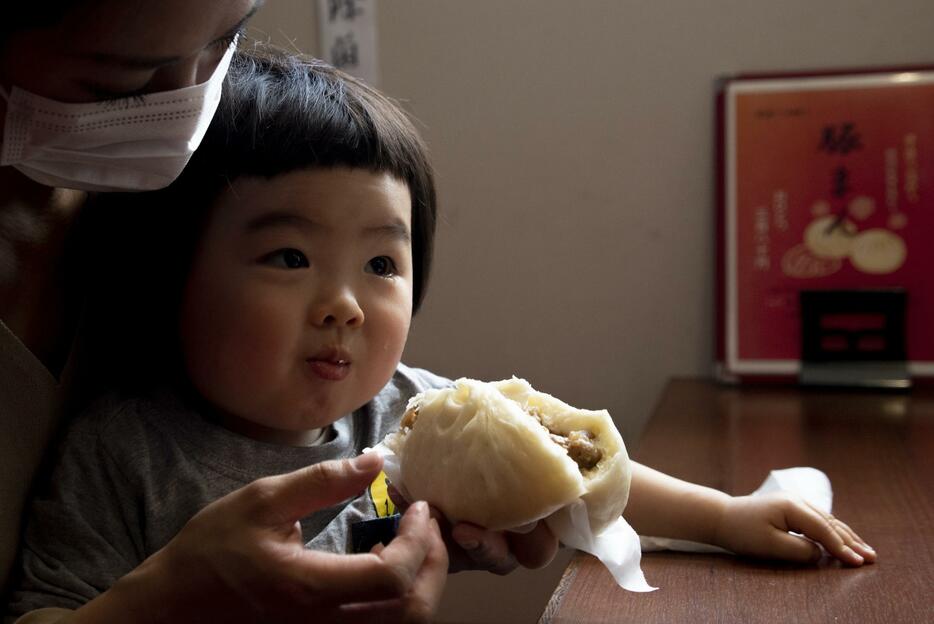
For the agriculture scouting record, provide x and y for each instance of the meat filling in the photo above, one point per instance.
(582, 450)
(409, 418)
(579, 445)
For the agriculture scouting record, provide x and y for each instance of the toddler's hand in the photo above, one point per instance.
(471, 547)
(759, 526)
(474, 548)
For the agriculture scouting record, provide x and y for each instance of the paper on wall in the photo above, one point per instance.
(347, 37)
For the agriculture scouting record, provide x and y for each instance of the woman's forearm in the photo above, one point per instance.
(663, 506)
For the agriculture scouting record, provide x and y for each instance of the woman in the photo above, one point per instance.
(78, 78)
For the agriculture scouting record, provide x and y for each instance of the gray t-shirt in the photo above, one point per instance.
(133, 472)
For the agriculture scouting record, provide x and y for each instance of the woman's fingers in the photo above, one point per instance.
(416, 544)
(352, 578)
(420, 603)
(283, 499)
(429, 585)
(387, 574)
(377, 612)
(245, 559)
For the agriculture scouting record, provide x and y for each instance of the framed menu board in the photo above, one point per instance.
(824, 183)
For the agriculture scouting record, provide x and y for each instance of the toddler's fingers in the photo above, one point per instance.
(488, 550)
(855, 542)
(824, 529)
(396, 497)
(790, 547)
(524, 528)
(852, 539)
(438, 516)
(534, 549)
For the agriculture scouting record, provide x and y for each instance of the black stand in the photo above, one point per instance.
(854, 338)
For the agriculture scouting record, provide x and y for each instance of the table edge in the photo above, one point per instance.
(557, 596)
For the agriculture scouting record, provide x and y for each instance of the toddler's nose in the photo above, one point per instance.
(338, 309)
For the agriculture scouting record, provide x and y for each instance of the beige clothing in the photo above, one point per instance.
(29, 400)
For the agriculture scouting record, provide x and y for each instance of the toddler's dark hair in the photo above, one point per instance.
(280, 113)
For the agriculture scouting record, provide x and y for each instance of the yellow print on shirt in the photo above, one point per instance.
(379, 494)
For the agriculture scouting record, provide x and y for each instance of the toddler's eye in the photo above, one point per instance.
(382, 266)
(286, 259)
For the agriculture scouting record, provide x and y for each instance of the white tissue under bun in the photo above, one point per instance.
(475, 452)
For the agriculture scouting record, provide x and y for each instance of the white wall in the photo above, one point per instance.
(574, 150)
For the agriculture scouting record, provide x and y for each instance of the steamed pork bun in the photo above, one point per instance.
(501, 455)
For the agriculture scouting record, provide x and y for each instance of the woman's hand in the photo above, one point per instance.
(242, 559)
(471, 547)
(759, 526)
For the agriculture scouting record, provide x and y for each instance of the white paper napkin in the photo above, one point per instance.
(809, 483)
(617, 546)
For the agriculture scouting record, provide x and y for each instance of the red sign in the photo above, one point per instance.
(826, 185)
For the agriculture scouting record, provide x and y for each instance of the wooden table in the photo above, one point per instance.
(877, 449)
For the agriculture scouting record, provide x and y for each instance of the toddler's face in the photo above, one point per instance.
(299, 300)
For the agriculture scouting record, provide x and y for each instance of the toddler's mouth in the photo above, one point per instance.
(330, 364)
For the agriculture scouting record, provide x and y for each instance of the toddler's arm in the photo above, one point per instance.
(663, 506)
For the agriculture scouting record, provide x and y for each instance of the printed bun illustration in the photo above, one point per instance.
(861, 207)
(826, 238)
(878, 251)
(501, 455)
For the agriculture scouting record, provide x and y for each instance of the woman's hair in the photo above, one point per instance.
(278, 113)
(30, 15)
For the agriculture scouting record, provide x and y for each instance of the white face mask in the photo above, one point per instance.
(131, 144)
